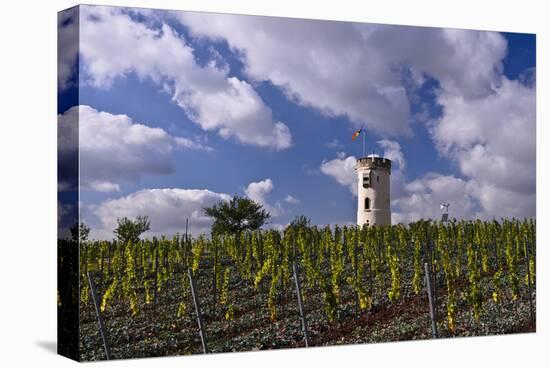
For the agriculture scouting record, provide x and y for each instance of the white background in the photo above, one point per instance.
(28, 182)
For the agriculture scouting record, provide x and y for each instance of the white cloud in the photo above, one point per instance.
(113, 45)
(277, 226)
(67, 47)
(335, 144)
(488, 123)
(342, 169)
(114, 147)
(291, 199)
(355, 69)
(258, 191)
(492, 139)
(62, 210)
(497, 202)
(318, 64)
(63, 186)
(66, 216)
(410, 201)
(167, 210)
(100, 186)
(392, 150)
(422, 199)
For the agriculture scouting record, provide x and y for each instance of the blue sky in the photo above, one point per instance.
(179, 110)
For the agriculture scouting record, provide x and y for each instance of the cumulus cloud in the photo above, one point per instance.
(479, 195)
(100, 186)
(317, 64)
(335, 144)
(67, 215)
(167, 210)
(487, 126)
(497, 202)
(392, 150)
(277, 226)
(492, 139)
(67, 47)
(356, 70)
(422, 198)
(258, 191)
(411, 201)
(114, 147)
(113, 45)
(342, 169)
(291, 200)
(62, 210)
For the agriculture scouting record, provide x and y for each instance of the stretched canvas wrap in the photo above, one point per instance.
(236, 183)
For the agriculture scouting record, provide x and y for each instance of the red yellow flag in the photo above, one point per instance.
(356, 134)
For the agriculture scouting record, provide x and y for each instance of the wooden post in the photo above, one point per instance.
(496, 252)
(109, 256)
(196, 302)
(215, 269)
(155, 281)
(300, 306)
(431, 302)
(433, 274)
(100, 322)
(186, 240)
(102, 259)
(102, 271)
(528, 259)
(85, 258)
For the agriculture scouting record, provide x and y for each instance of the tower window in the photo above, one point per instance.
(367, 203)
(377, 178)
(365, 181)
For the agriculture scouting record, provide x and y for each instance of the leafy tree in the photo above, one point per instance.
(130, 230)
(236, 215)
(80, 232)
(300, 221)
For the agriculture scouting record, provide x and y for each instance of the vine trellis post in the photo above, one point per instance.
(196, 302)
(300, 305)
(100, 322)
(430, 300)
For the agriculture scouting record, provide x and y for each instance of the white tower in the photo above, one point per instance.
(373, 190)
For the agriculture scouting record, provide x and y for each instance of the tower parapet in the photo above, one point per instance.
(374, 162)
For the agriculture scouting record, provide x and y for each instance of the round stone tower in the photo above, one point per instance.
(373, 190)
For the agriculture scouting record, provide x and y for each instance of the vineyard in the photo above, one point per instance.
(306, 286)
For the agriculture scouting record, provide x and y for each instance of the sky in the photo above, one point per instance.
(175, 111)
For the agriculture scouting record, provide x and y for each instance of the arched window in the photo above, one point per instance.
(367, 203)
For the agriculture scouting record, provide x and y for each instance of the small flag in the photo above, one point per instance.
(356, 134)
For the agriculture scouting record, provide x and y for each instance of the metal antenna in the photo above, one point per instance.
(445, 215)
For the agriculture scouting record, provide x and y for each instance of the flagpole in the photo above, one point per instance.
(364, 142)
